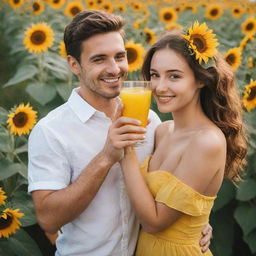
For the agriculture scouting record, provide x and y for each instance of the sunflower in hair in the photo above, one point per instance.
(249, 26)
(202, 42)
(135, 54)
(167, 15)
(9, 222)
(38, 38)
(234, 57)
(73, 8)
(22, 119)
(249, 98)
(2, 196)
(16, 3)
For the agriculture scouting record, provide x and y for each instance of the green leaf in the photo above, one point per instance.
(245, 216)
(41, 93)
(23, 201)
(63, 90)
(246, 190)
(22, 149)
(5, 145)
(250, 239)
(24, 72)
(3, 115)
(20, 244)
(8, 168)
(223, 232)
(225, 195)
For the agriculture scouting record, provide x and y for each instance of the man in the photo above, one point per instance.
(74, 174)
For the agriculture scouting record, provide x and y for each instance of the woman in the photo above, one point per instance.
(174, 190)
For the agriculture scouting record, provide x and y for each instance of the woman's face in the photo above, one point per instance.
(173, 81)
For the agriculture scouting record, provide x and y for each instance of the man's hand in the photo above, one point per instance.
(123, 132)
(206, 238)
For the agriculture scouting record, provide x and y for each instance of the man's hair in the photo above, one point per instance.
(87, 24)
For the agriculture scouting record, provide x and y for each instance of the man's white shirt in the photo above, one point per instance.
(61, 145)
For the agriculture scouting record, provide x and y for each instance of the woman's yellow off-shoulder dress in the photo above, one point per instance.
(182, 237)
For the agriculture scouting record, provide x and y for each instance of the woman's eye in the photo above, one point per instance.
(174, 76)
(153, 75)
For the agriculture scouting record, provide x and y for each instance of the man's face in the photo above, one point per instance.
(103, 66)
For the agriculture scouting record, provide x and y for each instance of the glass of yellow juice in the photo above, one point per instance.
(136, 98)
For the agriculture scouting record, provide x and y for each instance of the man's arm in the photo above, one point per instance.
(55, 208)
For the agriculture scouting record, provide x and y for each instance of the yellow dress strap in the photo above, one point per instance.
(179, 196)
(144, 166)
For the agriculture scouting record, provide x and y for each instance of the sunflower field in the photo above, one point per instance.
(35, 79)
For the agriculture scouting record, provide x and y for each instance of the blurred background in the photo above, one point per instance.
(34, 79)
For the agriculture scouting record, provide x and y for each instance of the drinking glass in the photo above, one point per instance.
(136, 98)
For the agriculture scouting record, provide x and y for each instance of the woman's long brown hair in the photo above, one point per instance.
(219, 97)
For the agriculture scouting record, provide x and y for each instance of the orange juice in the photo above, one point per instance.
(136, 103)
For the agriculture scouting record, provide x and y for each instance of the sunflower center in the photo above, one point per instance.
(36, 7)
(16, 1)
(91, 3)
(121, 9)
(249, 26)
(106, 7)
(167, 16)
(20, 119)
(4, 223)
(38, 37)
(148, 37)
(214, 12)
(99, 1)
(199, 42)
(56, 1)
(75, 10)
(231, 59)
(252, 94)
(131, 55)
(236, 11)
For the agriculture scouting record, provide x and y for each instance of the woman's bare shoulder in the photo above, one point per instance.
(164, 128)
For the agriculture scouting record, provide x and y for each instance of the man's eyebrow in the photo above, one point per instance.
(97, 56)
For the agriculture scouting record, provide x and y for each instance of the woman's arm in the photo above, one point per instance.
(199, 164)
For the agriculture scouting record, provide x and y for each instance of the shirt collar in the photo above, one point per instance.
(80, 107)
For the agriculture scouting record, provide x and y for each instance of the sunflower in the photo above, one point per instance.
(138, 6)
(249, 98)
(213, 12)
(135, 54)
(9, 222)
(173, 26)
(137, 23)
(91, 4)
(107, 6)
(167, 14)
(38, 38)
(150, 36)
(16, 3)
(73, 8)
(62, 50)
(250, 63)
(202, 41)
(249, 26)
(233, 57)
(56, 4)
(2, 196)
(245, 40)
(22, 119)
(237, 11)
(120, 7)
(37, 7)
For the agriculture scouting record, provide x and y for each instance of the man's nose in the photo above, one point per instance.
(113, 67)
